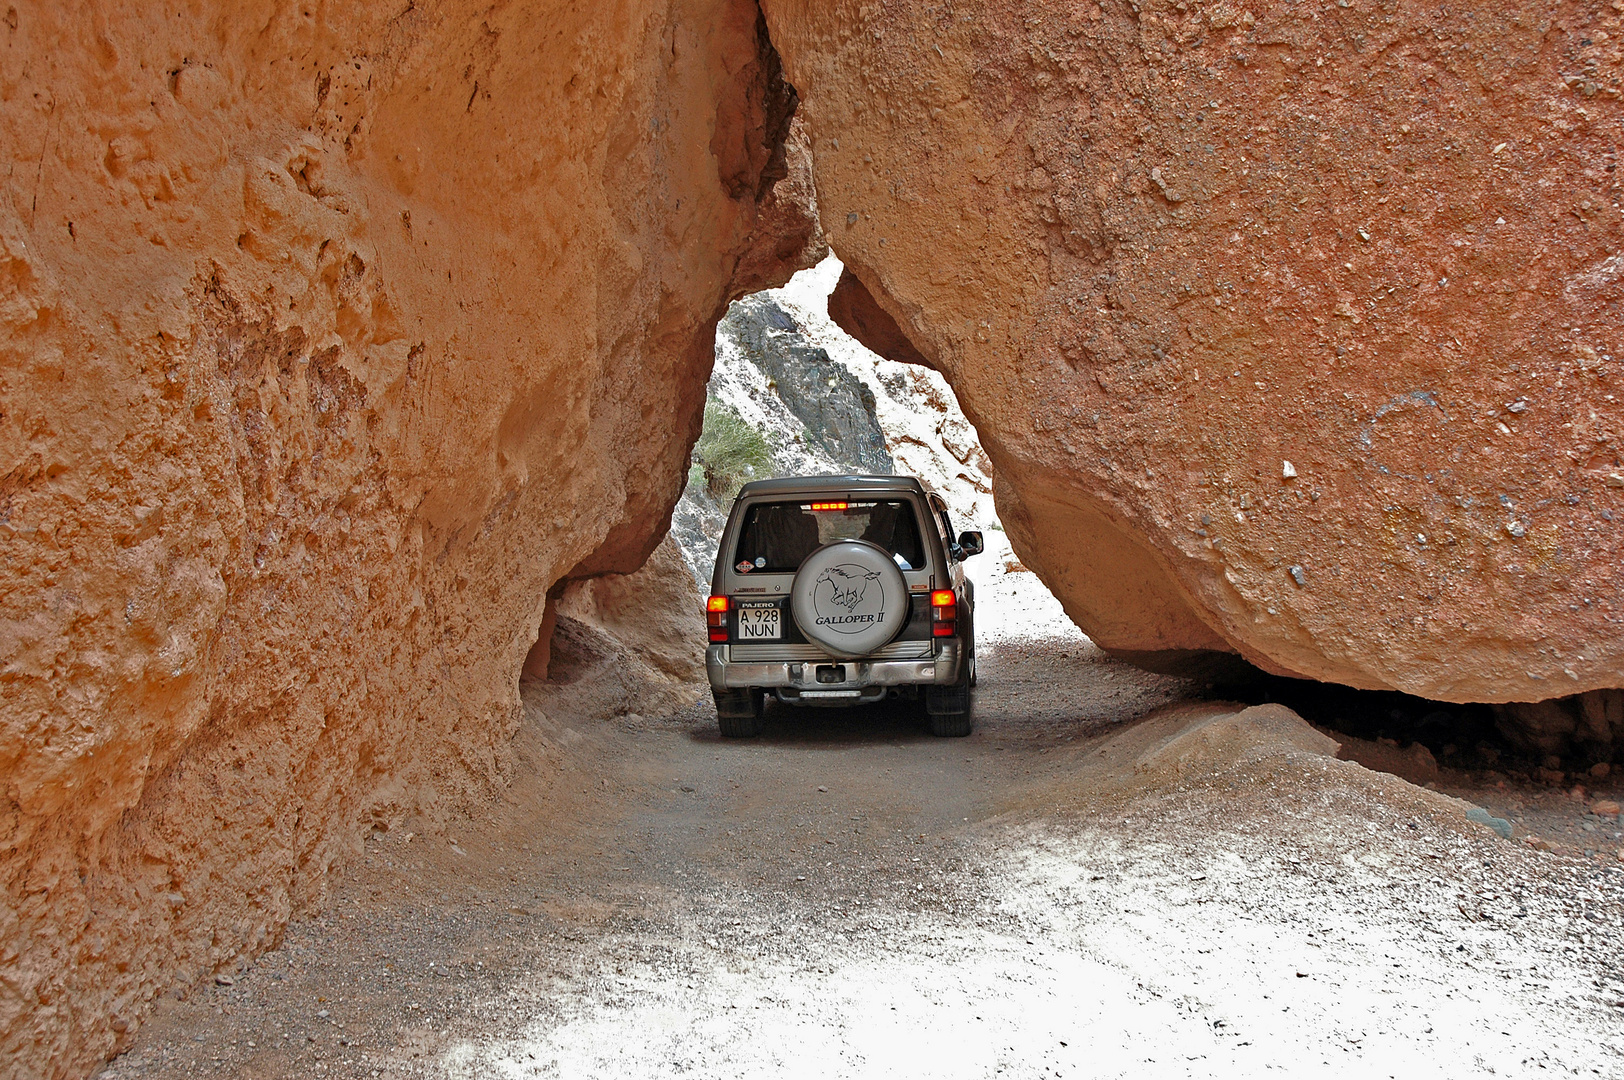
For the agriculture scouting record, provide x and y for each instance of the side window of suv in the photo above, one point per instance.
(944, 526)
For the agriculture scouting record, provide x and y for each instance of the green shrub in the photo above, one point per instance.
(729, 451)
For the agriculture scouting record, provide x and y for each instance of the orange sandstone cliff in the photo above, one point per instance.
(334, 336)
(1293, 330)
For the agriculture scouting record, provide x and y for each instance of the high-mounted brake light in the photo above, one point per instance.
(829, 506)
(716, 618)
(944, 613)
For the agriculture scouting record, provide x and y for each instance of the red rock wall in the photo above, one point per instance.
(332, 337)
(1161, 249)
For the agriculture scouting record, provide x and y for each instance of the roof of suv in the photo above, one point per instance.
(803, 485)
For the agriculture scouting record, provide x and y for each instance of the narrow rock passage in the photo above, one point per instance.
(1063, 893)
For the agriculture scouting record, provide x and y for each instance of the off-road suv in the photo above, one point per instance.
(839, 590)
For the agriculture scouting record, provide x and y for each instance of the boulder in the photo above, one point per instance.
(1292, 332)
(1590, 725)
(656, 613)
(622, 644)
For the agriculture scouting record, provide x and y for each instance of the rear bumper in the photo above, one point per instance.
(801, 677)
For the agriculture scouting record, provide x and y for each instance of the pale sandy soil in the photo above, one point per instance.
(1071, 891)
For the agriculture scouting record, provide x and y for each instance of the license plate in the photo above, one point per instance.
(759, 624)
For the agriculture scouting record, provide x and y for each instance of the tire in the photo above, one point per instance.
(739, 712)
(948, 709)
(849, 598)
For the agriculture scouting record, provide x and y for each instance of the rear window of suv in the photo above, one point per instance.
(778, 536)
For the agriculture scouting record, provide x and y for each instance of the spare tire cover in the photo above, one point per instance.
(849, 598)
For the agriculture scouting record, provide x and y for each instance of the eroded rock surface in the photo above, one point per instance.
(1291, 331)
(624, 644)
(333, 337)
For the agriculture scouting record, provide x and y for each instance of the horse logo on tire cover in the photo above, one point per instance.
(848, 599)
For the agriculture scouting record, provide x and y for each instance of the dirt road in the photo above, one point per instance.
(1065, 893)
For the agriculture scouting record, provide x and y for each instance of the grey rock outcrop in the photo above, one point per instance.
(697, 523)
(837, 408)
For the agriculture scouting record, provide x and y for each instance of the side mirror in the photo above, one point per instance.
(971, 544)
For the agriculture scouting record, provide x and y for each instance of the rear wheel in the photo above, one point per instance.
(948, 708)
(738, 712)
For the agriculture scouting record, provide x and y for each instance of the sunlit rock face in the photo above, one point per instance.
(1293, 331)
(334, 335)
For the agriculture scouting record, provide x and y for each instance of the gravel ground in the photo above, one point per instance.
(1092, 884)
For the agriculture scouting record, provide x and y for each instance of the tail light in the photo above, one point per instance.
(716, 618)
(944, 613)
